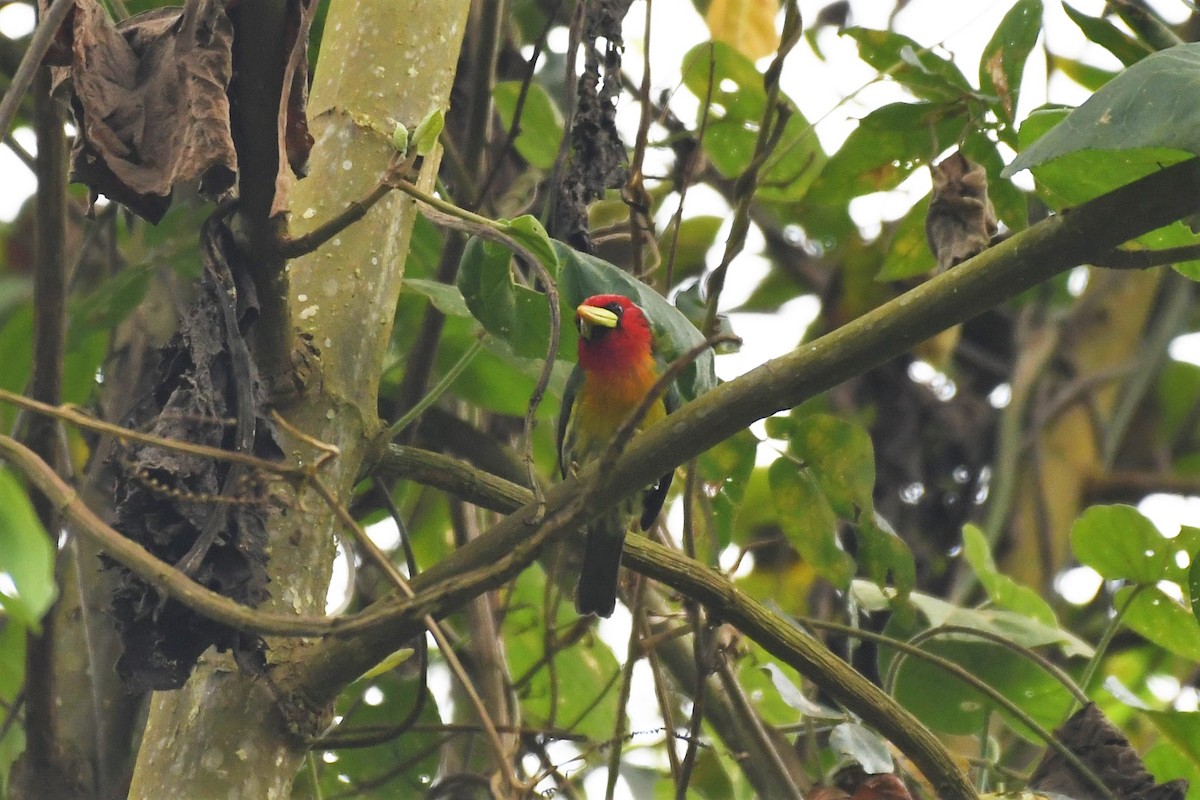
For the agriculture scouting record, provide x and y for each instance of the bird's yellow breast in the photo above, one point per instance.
(606, 399)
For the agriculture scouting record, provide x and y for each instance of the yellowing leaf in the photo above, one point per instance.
(747, 25)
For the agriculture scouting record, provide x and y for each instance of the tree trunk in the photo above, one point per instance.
(225, 735)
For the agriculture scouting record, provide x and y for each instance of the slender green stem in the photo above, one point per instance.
(447, 208)
(1110, 631)
(436, 392)
(311, 760)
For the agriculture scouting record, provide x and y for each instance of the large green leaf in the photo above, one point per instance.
(718, 73)
(841, 459)
(886, 147)
(1127, 49)
(1076, 177)
(908, 252)
(369, 772)
(726, 468)
(809, 522)
(1181, 728)
(1140, 108)
(514, 313)
(575, 688)
(585, 275)
(924, 73)
(541, 127)
(1159, 618)
(26, 556)
(1002, 590)
(884, 556)
(735, 115)
(1121, 544)
(1003, 60)
(949, 705)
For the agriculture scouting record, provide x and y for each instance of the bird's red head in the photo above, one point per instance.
(614, 333)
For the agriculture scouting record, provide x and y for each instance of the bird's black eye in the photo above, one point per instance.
(616, 308)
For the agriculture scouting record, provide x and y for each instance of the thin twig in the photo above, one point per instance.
(146, 566)
(381, 560)
(435, 394)
(975, 683)
(618, 737)
(39, 44)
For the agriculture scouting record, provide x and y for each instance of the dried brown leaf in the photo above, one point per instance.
(150, 104)
(961, 221)
(1105, 750)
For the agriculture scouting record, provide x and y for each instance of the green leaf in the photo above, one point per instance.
(791, 694)
(949, 705)
(541, 125)
(841, 459)
(584, 275)
(370, 771)
(1086, 75)
(1121, 544)
(908, 253)
(696, 237)
(1002, 63)
(884, 555)
(1157, 617)
(886, 147)
(529, 232)
(590, 694)
(1138, 109)
(1077, 177)
(808, 522)
(925, 74)
(425, 136)
(445, 297)
(1099, 30)
(1182, 729)
(727, 468)
(1016, 627)
(400, 139)
(712, 781)
(1166, 761)
(717, 71)
(26, 555)
(793, 166)
(1002, 590)
(388, 664)
(516, 314)
(729, 145)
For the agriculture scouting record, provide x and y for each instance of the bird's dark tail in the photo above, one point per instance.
(597, 589)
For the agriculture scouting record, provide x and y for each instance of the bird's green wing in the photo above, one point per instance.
(574, 382)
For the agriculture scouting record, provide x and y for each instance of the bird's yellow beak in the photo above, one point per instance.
(590, 317)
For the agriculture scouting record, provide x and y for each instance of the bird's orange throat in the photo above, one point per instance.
(609, 395)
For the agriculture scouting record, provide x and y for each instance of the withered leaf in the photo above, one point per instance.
(597, 159)
(191, 510)
(1105, 751)
(150, 104)
(961, 220)
(150, 97)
